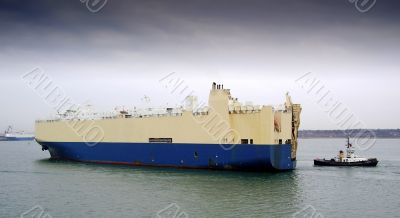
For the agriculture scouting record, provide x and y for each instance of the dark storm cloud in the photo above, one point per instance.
(135, 16)
(175, 29)
(286, 12)
(144, 25)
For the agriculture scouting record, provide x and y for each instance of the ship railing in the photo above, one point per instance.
(240, 109)
(153, 112)
(147, 114)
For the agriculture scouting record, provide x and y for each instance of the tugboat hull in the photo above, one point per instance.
(371, 162)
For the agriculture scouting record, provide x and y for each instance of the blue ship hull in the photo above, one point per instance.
(248, 157)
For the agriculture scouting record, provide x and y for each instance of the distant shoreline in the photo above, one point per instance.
(378, 133)
(343, 137)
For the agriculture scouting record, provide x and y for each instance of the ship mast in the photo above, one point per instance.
(9, 130)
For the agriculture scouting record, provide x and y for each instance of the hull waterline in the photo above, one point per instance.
(368, 163)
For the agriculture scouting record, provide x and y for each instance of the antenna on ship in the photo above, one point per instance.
(348, 142)
(9, 129)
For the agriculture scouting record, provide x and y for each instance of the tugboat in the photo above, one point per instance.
(347, 160)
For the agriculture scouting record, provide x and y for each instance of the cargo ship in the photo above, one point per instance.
(224, 134)
(10, 135)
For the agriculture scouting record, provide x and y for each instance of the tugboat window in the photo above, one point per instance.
(244, 141)
(280, 141)
(251, 141)
(196, 155)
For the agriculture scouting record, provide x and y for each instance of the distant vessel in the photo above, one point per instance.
(350, 159)
(10, 135)
(226, 135)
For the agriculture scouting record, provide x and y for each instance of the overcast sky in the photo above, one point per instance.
(257, 48)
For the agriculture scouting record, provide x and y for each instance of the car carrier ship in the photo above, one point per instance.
(225, 135)
(10, 135)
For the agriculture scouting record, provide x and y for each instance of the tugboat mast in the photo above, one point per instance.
(348, 142)
(350, 150)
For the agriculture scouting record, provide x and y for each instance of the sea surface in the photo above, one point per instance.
(31, 185)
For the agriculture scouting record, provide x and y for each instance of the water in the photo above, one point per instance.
(28, 179)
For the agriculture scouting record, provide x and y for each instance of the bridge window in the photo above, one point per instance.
(244, 141)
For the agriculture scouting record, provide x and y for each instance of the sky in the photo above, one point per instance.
(116, 55)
